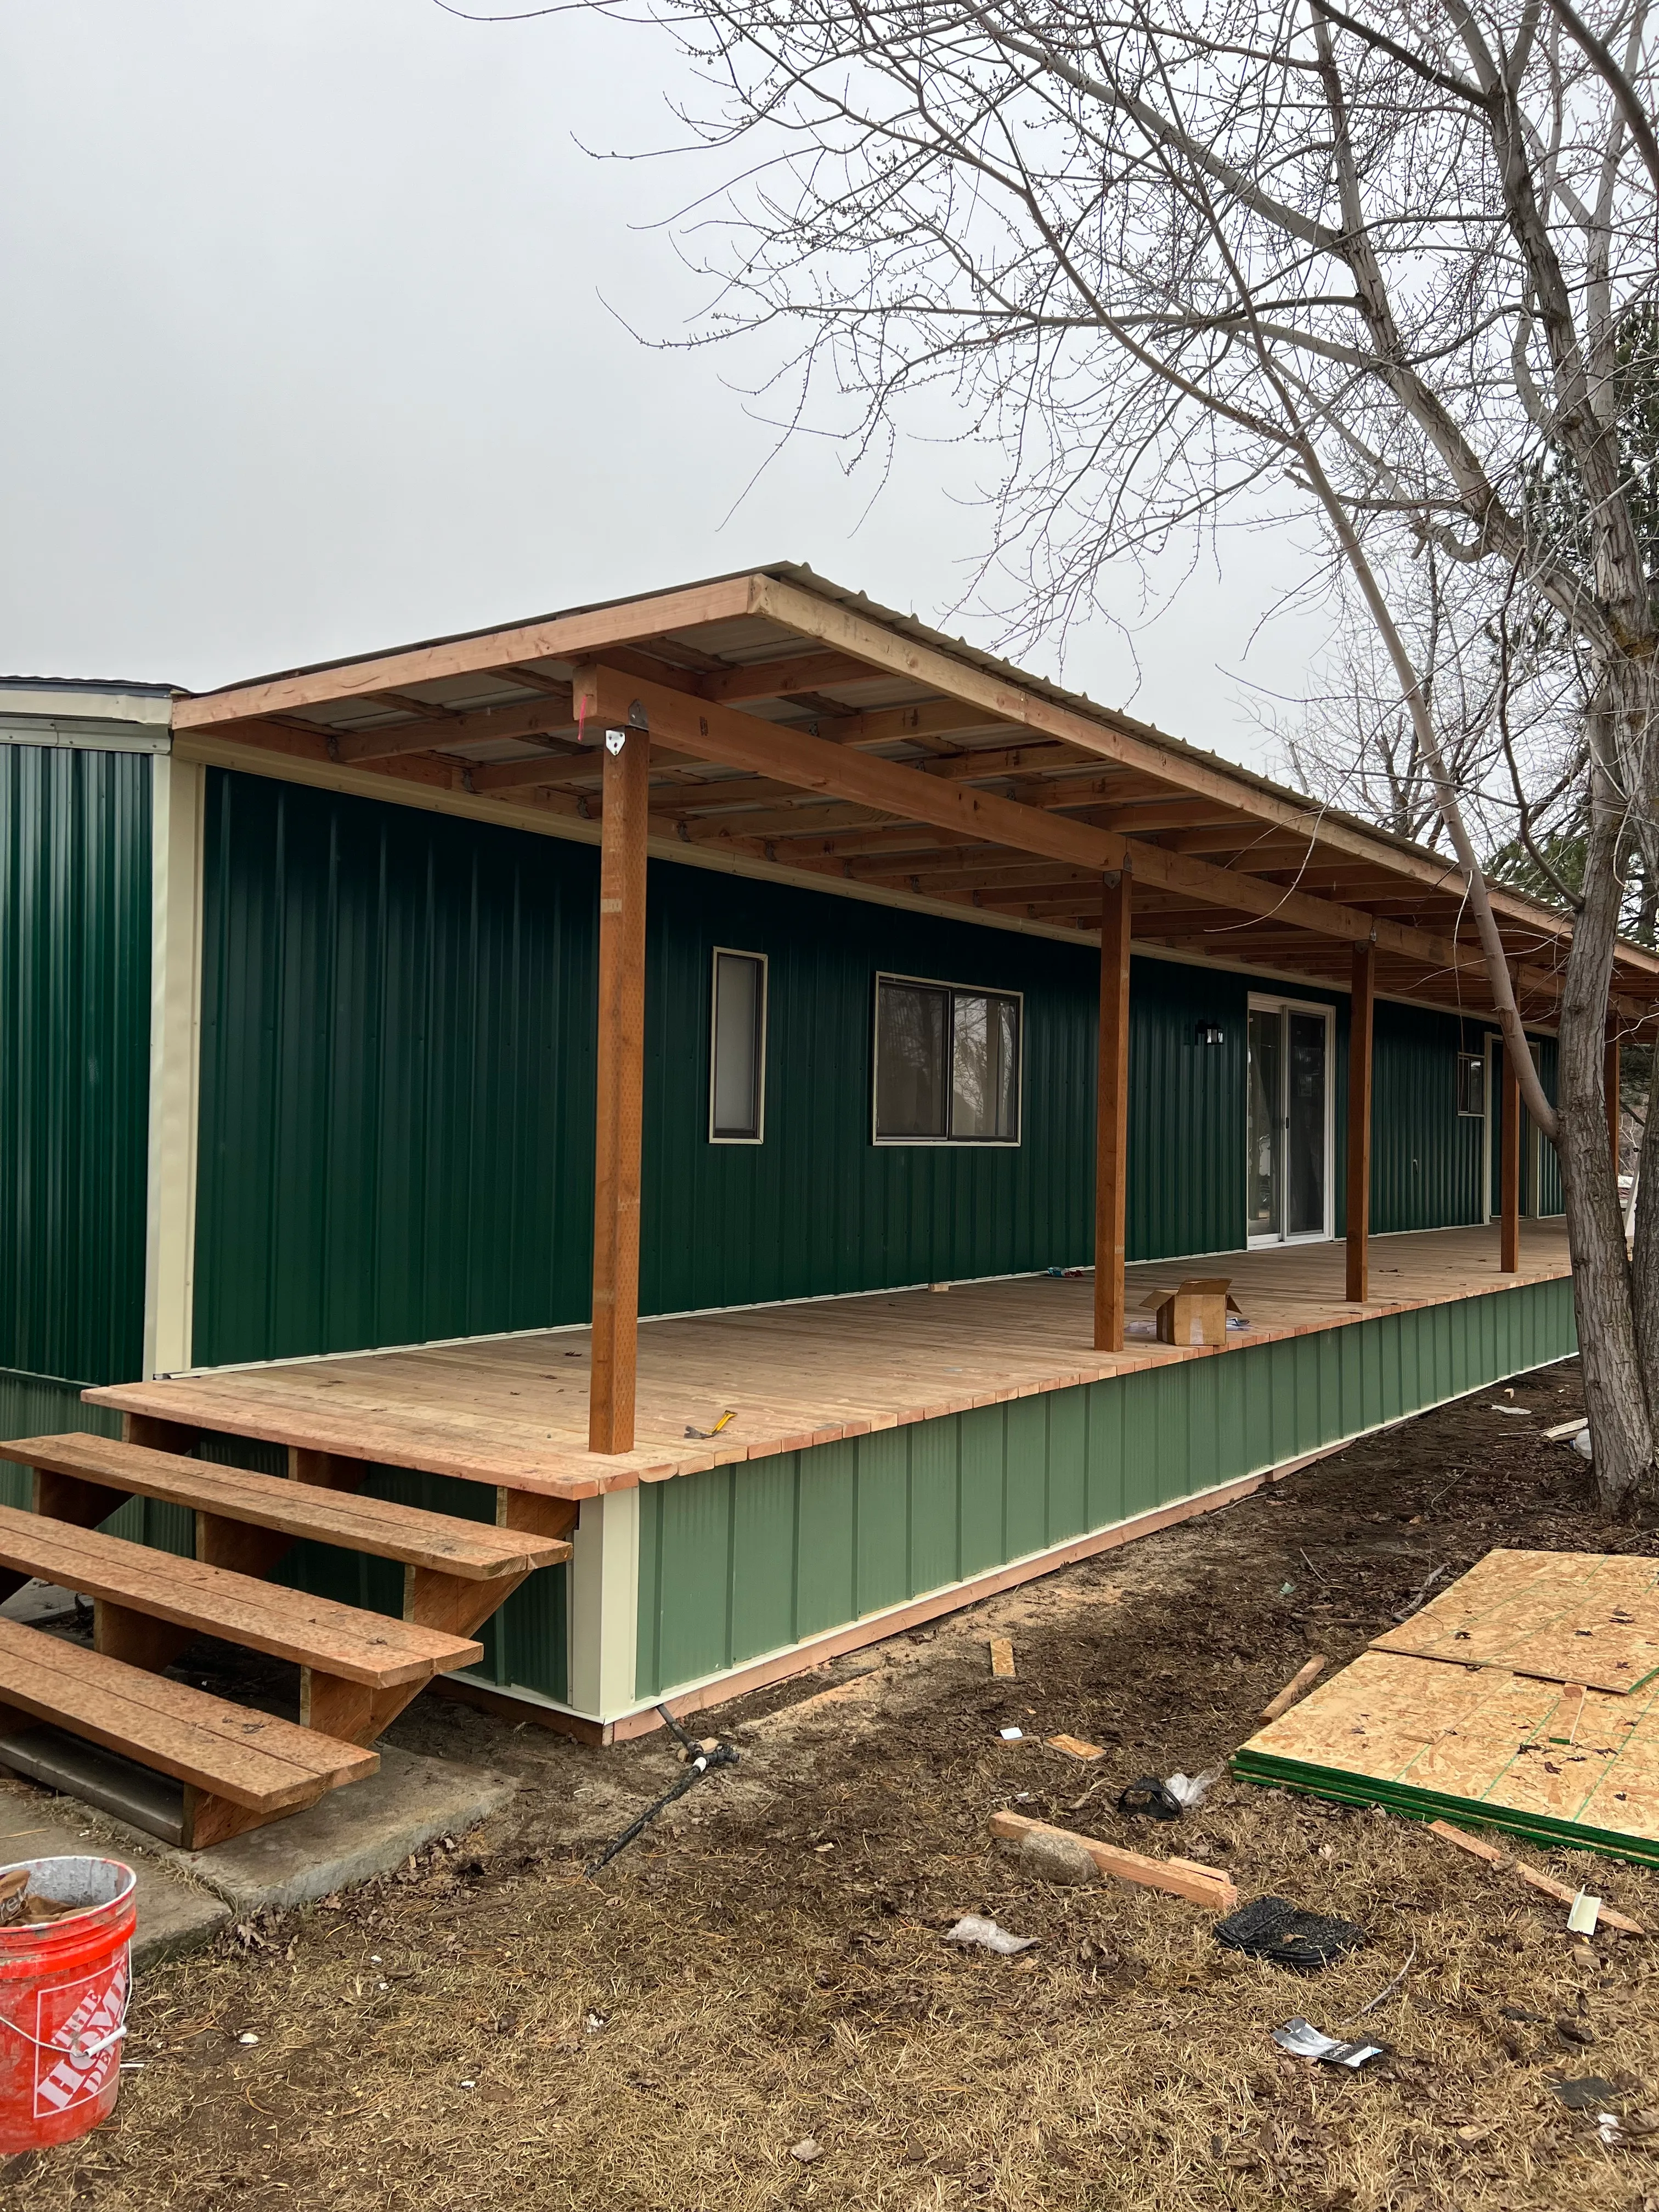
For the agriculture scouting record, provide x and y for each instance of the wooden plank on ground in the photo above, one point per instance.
(1200, 1885)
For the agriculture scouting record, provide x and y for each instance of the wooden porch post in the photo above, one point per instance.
(620, 1089)
(1360, 1121)
(1610, 1085)
(1509, 1258)
(1112, 1114)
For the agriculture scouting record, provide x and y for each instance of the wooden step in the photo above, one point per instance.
(240, 1768)
(438, 1542)
(149, 1604)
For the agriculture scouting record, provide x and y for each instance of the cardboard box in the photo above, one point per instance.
(1194, 1313)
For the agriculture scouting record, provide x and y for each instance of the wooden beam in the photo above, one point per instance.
(1360, 1121)
(719, 733)
(1112, 1114)
(778, 679)
(1508, 1181)
(1119, 737)
(621, 1091)
(521, 719)
(560, 637)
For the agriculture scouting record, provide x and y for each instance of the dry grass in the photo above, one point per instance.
(660, 2037)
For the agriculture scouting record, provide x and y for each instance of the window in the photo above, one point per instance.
(947, 1064)
(1472, 1085)
(737, 1059)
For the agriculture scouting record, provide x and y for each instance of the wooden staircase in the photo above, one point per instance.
(236, 1768)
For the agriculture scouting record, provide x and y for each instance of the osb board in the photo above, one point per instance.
(1588, 1617)
(1477, 1743)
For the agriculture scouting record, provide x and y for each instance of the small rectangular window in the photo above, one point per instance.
(1472, 1085)
(737, 1076)
(947, 1064)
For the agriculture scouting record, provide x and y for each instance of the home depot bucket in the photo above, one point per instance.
(64, 1988)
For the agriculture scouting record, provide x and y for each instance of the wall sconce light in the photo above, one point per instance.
(1210, 1033)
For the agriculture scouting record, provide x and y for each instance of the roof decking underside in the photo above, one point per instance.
(492, 716)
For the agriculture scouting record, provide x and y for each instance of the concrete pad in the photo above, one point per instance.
(173, 1915)
(350, 1835)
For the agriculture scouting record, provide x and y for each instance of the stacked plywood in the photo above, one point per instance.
(1526, 1697)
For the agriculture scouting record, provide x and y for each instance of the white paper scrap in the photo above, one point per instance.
(1012, 1735)
(1303, 2040)
(970, 1928)
(1580, 1921)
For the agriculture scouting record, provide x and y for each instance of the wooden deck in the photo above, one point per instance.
(512, 1411)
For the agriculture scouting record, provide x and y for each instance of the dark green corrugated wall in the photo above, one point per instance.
(397, 1086)
(1425, 1158)
(75, 859)
(397, 1071)
(396, 1102)
(742, 1560)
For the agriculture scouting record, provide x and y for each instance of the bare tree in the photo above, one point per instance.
(1372, 267)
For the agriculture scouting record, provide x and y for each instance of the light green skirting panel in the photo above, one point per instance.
(742, 1561)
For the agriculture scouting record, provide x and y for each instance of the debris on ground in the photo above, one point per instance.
(1521, 1413)
(1581, 1443)
(1299, 1684)
(1012, 1734)
(1074, 1747)
(1002, 1657)
(1585, 2093)
(1581, 1919)
(1272, 1928)
(1053, 1855)
(1506, 1862)
(971, 1929)
(1151, 1795)
(1191, 1790)
(1563, 1430)
(1303, 2040)
(805, 2150)
(1200, 1885)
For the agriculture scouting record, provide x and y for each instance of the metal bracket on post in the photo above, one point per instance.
(614, 741)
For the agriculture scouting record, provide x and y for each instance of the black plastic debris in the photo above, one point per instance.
(1150, 1795)
(1588, 2094)
(1273, 1928)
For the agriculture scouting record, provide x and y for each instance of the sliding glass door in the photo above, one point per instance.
(1288, 1189)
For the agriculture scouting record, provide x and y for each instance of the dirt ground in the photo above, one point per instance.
(767, 1969)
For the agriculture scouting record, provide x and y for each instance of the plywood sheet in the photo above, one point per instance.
(1588, 1617)
(1423, 1736)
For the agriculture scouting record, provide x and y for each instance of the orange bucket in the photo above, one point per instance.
(64, 1990)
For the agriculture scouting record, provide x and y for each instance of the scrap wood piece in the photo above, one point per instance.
(1564, 1728)
(1199, 1885)
(1075, 1748)
(1300, 1682)
(1562, 1429)
(1002, 1656)
(1562, 1892)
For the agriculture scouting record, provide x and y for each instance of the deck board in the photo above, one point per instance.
(512, 1411)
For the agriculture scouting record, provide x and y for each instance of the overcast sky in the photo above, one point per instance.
(306, 354)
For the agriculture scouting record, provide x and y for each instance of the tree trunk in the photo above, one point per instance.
(1614, 1371)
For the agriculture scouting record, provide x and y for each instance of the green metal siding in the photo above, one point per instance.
(75, 858)
(397, 1090)
(397, 1104)
(742, 1560)
(1425, 1157)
